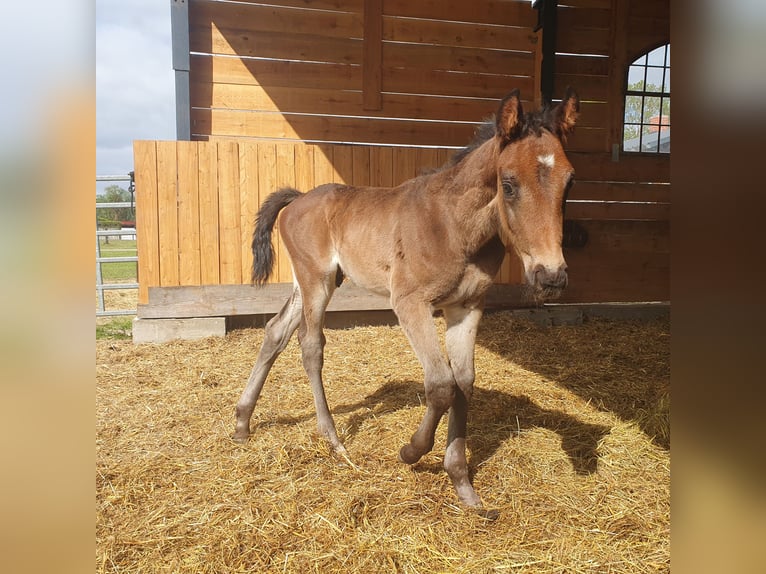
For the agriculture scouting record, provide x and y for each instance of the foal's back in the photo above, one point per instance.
(377, 236)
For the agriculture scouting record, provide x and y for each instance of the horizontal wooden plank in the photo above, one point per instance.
(605, 210)
(436, 82)
(651, 8)
(328, 128)
(630, 167)
(510, 13)
(479, 60)
(615, 237)
(231, 300)
(334, 102)
(278, 45)
(583, 41)
(584, 17)
(253, 18)
(219, 69)
(610, 191)
(349, 103)
(589, 88)
(461, 34)
(586, 139)
(598, 4)
(583, 65)
(333, 5)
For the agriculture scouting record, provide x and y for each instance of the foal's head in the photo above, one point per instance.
(533, 178)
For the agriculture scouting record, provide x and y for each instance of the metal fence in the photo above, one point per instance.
(101, 310)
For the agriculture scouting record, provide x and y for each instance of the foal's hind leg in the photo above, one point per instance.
(316, 296)
(278, 332)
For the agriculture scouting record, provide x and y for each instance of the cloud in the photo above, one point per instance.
(135, 94)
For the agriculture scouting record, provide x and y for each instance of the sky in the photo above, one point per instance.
(135, 91)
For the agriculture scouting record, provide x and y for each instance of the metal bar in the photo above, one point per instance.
(112, 233)
(116, 204)
(110, 286)
(179, 31)
(548, 66)
(115, 312)
(113, 177)
(99, 278)
(117, 259)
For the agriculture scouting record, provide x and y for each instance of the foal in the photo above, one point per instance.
(433, 242)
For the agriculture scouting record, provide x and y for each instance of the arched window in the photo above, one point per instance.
(646, 127)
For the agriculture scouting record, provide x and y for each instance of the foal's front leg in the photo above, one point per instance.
(417, 323)
(462, 324)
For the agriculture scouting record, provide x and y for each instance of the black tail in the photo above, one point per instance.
(263, 250)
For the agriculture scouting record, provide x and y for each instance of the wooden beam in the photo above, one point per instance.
(232, 300)
(372, 55)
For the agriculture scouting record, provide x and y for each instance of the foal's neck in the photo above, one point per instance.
(472, 189)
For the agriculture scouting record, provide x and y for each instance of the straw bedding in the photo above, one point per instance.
(568, 440)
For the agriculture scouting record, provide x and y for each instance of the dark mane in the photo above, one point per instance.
(532, 123)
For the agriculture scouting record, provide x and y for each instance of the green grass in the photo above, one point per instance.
(125, 272)
(115, 328)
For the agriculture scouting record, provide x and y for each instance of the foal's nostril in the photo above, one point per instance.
(557, 279)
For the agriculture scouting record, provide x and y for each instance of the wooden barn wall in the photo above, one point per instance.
(266, 75)
(196, 205)
(622, 200)
(380, 72)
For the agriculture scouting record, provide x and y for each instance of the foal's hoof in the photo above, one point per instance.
(408, 455)
(240, 438)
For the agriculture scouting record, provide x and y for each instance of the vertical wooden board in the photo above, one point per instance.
(285, 177)
(207, 156)
(343, 164)
(267, 183)
(167, 208)
(503, 274)
(304, 167)
(381, 166)
(230, 237)
(427, 160)
(361, 165)
(515, 268)
(404, 164)
(147, 226)
(249, 201)
(188, 214)
(323, 169)
(443, 155)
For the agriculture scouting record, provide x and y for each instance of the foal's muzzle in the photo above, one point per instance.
(548, 284)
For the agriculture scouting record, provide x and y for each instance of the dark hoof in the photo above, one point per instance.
(408, 455)
(489, 515)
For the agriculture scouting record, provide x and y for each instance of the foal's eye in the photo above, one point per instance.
(510, 188)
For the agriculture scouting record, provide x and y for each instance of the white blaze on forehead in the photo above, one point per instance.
(546, 160)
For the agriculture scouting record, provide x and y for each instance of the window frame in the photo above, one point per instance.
(643, 94)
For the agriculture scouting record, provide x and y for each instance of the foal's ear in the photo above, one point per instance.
(508, 117)
(567, 113)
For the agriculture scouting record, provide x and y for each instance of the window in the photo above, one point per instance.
(647, 103)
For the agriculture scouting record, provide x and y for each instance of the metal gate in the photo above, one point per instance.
(101, 309)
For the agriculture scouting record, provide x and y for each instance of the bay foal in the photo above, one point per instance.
(433, 242)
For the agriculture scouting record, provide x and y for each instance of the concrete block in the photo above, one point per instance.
(164, 330)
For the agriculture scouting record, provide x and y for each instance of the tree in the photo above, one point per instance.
(113, 216)
(640, 109)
